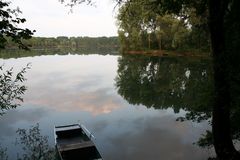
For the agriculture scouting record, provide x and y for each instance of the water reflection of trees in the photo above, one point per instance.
(34, 145)
(5, 54)
(3, 153)
(166, 82)
(178, 83)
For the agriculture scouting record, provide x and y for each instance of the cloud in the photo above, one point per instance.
(51, 18)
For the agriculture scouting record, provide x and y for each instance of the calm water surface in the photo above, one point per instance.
(90, 89)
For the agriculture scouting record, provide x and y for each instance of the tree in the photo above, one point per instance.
(8, 26)
(11, 88)
(218, 13)
(177, 83)
(141, 28)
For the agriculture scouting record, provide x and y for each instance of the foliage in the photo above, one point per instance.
(206, 140)
(225, 38)
(11, 88)
(71, 43)
(224, 26)
(140, 23)
(170, 25)
(34, 145)
(8, 26)
(72, 3)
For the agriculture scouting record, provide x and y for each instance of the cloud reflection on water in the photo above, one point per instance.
(68, 88)
(74, 83)
(12, 117)
(96, 102)
(150, 137)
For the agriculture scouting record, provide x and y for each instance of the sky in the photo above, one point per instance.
(50, 18)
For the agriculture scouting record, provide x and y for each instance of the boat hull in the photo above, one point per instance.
(73, 143)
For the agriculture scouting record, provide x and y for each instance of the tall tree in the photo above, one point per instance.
(177, 83)
(140, 27)
(218, 12)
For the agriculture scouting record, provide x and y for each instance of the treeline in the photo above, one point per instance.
(16, 53)
(70, 43)
(141, 28)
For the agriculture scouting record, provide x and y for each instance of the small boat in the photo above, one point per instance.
(74, 142)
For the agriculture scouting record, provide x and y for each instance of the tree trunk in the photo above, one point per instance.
(158, 35)
(149, 41)
(221, 110)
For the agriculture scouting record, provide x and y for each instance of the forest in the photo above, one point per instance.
(68, 43)
(142, 28)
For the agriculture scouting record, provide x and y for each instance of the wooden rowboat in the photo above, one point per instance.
(74, 142)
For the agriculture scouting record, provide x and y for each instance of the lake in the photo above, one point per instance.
(131, 104)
